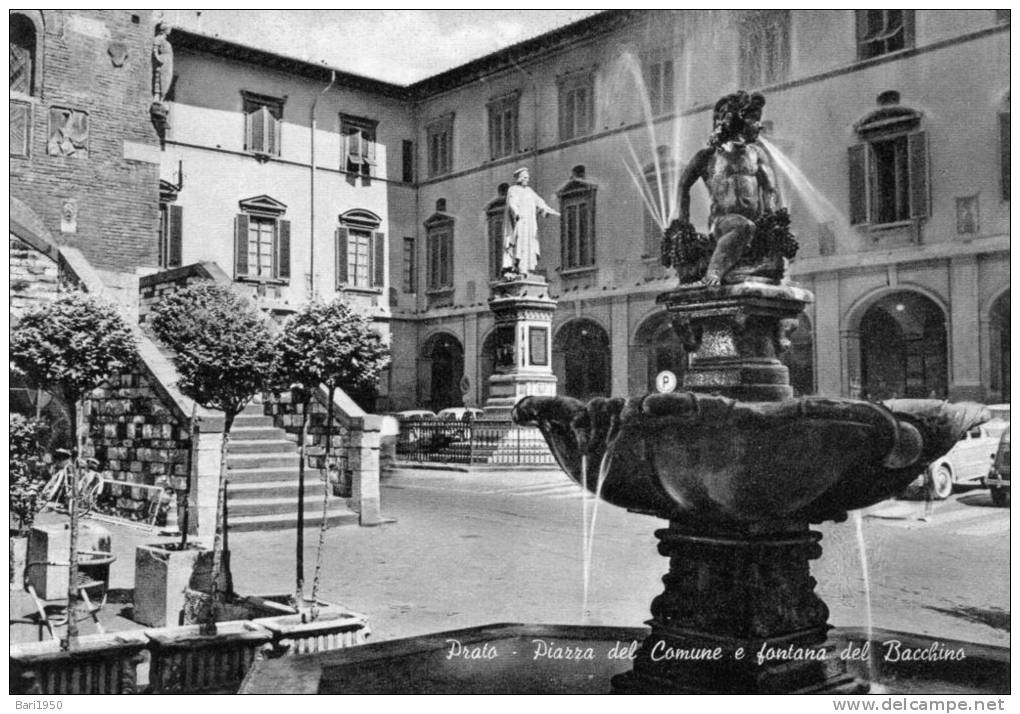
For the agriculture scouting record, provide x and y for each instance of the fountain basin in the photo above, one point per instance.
(553, 659)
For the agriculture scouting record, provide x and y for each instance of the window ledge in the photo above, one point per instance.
(895, 225)
(439, 291)
(262, 157)
(573, 272)
(261, 281)
(360, 289)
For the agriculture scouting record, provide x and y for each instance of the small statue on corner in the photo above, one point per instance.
(749, 234)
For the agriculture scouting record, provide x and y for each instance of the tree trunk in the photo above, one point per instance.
(71, 486)
(325, 501)
(299, 589)
(220, 572)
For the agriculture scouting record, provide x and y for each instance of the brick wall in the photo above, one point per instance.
(117, 197)
(33, 277)
(136, 439)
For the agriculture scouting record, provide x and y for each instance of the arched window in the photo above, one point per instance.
(23, 70)
(23, 42)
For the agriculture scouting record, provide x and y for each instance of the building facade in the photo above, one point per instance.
(889, 129)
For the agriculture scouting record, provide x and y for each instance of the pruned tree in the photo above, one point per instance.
(223, 354)
(326, 344)
(69, 347)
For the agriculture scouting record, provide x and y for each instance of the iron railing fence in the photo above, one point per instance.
(477, 441)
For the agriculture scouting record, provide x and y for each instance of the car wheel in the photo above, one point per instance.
(940, 483)
(1000, 496)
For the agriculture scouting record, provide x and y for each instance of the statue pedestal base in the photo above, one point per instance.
(739, 615)
(523, 311)
(735, 334)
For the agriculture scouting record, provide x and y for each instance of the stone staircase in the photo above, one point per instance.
(263, 486)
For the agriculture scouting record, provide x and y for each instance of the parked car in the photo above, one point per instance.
(998, 476)
(968, 461)
(460, 414)
(406, 421)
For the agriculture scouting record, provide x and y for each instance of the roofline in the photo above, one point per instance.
(551, 41)
(185, 39)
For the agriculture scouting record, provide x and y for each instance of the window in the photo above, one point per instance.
(408, 282)
(1004, 153)
(22, 56)
(261, 241)
(659, 83)
(880, 32)
(408, 161)
(764, 47)
(360, 251)
(888, 170)
(577, 105)
(170, 235)
(495, 214)
(439, 251)
(358, 145)
(577, 222)
(440, 146)
(263, 118)
(503, 132)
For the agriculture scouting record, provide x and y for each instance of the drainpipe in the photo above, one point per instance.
(311, 210)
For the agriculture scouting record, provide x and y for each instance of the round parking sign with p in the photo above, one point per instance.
(665, 381)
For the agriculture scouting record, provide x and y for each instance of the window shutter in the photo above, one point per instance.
(379, 259)
(354, 147)
(241, 245)
(258, 130)
(175, 236)
(591, 228)
(493, 132)
(917, 156)
(341, 256)
(862, 31)
(275, 126)
(283, 249)
(856, 157)
(667, 86)
(369, 150)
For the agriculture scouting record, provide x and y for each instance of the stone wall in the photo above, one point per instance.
(102, 196)
(287, 416)
(33, 277)
(137, 440)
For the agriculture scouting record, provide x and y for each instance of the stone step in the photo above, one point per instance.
(271, 473)
(288, 521)
(262, 446)
(254, 407)
(281, 504)
(263, 461)
(248, 432)
(275, 489)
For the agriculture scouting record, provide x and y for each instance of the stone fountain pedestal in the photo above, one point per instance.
(523, 312)
(739, 613)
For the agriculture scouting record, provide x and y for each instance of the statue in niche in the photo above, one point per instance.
(162, 63)
(748, 230)
(520, 226)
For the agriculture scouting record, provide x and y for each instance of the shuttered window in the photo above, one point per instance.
(261, 247)
(503, 129)
(361, 258)
(659, 85)
(1004, 153)
(764, 47)
(577, 229)
(170, 235)
(439, 136)
(494, 217)
(359, 145)
(577, 105)
(888, 179)
(440, 257)
(409, 278)
(22, 54)
(263, 119)
(880, 32)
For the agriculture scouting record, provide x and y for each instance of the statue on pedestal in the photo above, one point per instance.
(162, 63)
(748, 228)
(520, 226)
